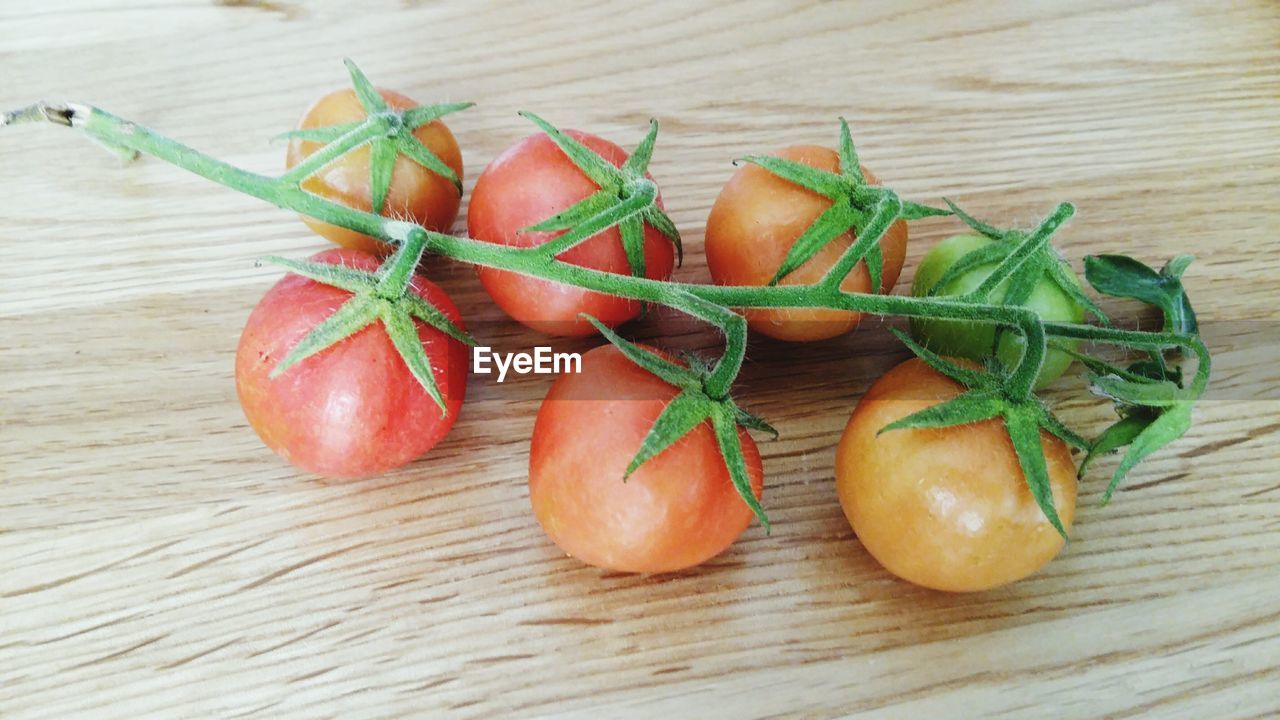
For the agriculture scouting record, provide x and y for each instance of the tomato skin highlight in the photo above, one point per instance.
(677, 510)
(354, 409)
(945, 508)
(756, 219)
(416, 193)
(528, 183)
(976, 340)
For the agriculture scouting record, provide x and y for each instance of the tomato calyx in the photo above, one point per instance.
(626, 199)
(1022, 269)
(854, 204)
(389, 134)
(383, 295)
(693, 406)
(989, 395)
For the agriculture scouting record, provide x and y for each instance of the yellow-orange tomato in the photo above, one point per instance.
(755, 221)
(677, 510)
(945, 508)
(415, 194)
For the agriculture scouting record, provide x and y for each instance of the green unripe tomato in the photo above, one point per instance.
(959, 338)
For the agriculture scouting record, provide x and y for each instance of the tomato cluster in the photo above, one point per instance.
(942, 508)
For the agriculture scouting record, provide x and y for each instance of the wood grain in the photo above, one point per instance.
(157, 561)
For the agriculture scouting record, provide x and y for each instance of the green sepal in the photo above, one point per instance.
(433, 316)
(351, 317)
(830, 224)
(338, 276)
(368, 95)
(1062, 277)
(964, 376)
(666, 370)
(850, 165)
(819, 181)
(986, 255)
(970, 407)
(726, 428)
(592, 205)
(416, 117)
(684, 413)
(600, 171)
(915, 211)
(753, 422)
(603, 220)
(404, 336)
(382, 163)
(661, 222)
(1059, 429)
(982, 228)
(1024, 431)
(638, 162)
(412, 148)
(631, 229)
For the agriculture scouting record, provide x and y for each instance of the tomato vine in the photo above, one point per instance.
(1151, 397)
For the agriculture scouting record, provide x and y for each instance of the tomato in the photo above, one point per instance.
(353, 409)
(945, 508)
(415, 194)
(528, 183)
(675, 511)
(975, 340)
(755, 221)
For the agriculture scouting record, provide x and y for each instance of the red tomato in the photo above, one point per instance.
(528, 183)
(353, 409)
(946, 508)
(755, 221)
(415, 194)
(677, 510)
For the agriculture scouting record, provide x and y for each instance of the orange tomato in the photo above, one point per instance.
(945, 508)
(755, 221)
(416, 193)
(677, 510)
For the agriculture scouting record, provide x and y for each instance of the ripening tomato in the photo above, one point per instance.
(755, 221)
(528, 183)
(353, 409)
(675, 511)
(946, 508)
(415, 193)
(976, 340)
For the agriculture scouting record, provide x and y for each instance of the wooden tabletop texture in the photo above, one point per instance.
(157, 561)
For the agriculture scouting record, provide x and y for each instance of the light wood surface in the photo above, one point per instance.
(157, 561)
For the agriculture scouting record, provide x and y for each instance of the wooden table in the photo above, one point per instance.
(156, 560)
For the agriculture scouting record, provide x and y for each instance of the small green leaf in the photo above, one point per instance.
(1117, 436)
(661, 222)
(369, 96)
(722, 421)
(850, 166)
(338, 276)
(666, 370)
(830, 224)
(915, 211)
(1024, 431)
(382, 162)
(600, 171)
(639, 160)
(410, 146)
(990, 231)
(326, 134)
(962, 375)
(971, 407)
(1123, 276)
(431, 315)
(1171, 425)
(351, 317)
(1151, 393)
(404, 336)
(415, 118)
(819, 181)
(632, 230)
(684, 413)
